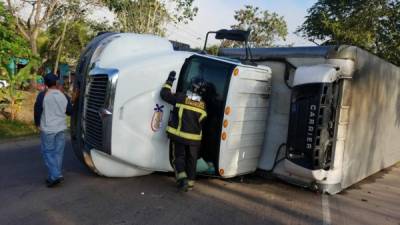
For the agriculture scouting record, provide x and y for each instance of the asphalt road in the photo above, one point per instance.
(85, 198)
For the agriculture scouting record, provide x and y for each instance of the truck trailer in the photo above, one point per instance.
(119, 119)
(334, 115)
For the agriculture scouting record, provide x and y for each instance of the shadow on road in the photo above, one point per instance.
(85, 198)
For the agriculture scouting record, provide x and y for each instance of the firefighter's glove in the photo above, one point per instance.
(171, 77)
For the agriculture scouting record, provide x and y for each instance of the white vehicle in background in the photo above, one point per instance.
(118, 126)
(4, 84)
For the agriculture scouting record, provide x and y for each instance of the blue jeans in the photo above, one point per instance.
(52, 145)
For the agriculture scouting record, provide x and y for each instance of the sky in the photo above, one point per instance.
(218, 14)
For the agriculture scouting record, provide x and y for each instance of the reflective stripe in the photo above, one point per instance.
(177, 131)
(167, 86)
(202, 117)
(180, 114)
(191, 108)
(181, 175)
(191, 183)
(189, 136)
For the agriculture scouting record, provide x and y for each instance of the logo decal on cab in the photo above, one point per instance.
(157, 118)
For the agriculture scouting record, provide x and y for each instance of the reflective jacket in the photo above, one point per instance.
(187, 117)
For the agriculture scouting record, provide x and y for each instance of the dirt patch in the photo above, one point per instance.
(26, 112)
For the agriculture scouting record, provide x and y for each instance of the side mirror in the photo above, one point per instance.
(233, 35)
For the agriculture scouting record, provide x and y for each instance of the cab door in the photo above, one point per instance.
(217, 73)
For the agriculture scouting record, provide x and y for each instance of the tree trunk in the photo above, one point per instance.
(13, 111)
(60, 47)
(148, 18)
(33, 42)
(140, 20)
(154, 18)
(12, 93)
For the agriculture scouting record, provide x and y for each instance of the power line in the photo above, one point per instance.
(202, 36)
(197, 37)
(182, 36)
(187, 36)
(185, 39)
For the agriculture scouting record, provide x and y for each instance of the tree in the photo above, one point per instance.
(12, 46)
(265, 27)
(80, 32)
(150, 16)
(11, 43)
(370, 24)
(72, 15)
(212, 49)
(40, 13)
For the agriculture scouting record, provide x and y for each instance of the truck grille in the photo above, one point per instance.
(96, 97)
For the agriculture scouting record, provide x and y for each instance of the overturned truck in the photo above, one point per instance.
(322, 117)
(334, 115)
(119, 120)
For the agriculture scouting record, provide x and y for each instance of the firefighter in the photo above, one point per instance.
(185, 128)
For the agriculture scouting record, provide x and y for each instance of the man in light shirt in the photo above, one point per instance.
(51, 109)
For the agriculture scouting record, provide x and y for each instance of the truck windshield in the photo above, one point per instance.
(217, 74)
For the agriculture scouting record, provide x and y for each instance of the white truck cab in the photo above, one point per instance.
(118, 127)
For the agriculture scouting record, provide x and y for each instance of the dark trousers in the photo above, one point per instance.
(184, 158)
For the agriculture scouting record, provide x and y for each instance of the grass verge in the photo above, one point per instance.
(13, 129)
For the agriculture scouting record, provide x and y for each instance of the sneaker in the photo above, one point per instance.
(183, 185)
(52, 183)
